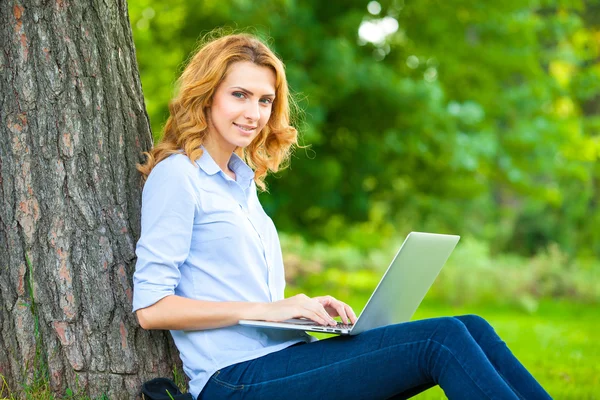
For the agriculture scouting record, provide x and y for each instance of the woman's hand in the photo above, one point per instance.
(318, 309)
(336, 308)
(299, 306)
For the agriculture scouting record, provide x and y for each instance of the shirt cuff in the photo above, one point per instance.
(145, 297)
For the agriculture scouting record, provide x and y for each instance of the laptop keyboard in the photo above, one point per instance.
(327, 328)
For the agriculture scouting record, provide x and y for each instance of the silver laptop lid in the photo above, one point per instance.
(407, 280)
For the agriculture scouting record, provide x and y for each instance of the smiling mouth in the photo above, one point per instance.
(245, 128)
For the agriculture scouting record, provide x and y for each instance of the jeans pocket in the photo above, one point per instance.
(216, 378)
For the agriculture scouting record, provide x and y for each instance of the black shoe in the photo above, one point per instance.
(163, 389)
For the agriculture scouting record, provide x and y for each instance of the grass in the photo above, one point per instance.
(556, 343)
(554, 340)
(544, 307)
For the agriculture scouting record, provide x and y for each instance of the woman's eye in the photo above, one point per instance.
(239, 95)
(267, 100)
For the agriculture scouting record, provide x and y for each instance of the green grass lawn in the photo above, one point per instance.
(558, 343)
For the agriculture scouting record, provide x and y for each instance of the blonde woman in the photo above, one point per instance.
(209, 256)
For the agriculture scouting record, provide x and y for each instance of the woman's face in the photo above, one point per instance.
(241, 105)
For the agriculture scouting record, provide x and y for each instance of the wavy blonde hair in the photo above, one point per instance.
(187, 125)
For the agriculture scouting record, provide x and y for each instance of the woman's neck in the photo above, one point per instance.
(220, 154)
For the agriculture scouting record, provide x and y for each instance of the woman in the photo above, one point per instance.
(209, 256)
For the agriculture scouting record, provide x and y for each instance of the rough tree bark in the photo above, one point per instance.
(72, 125)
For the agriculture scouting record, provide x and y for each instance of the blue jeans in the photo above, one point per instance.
(463, 355)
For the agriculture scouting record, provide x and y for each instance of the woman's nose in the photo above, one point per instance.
(252, 111)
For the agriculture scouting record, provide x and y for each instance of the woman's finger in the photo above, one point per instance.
(325, 314)
(341, 310)
(320, 309)
(319, 318)
(350, 313)
(317, 313)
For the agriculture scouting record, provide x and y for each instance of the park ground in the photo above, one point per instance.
(557, 343)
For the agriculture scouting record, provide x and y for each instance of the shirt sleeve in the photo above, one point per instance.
(169, 204)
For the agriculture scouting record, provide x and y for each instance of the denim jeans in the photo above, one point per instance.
(463, 355)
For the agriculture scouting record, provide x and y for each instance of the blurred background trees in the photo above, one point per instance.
(479, 118)
(468, 117)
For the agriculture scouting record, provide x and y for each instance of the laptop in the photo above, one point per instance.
(399, 292)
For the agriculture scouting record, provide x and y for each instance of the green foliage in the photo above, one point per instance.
(179, 379)
(555, 339)
(470, 117)
(556, 344)
(41, 391)
(472, 276)
(544, 307)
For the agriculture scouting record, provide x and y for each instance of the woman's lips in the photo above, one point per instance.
(246, 129)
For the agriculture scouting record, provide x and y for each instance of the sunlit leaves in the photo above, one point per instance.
(464, 115)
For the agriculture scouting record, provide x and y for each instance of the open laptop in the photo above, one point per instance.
(398, 294)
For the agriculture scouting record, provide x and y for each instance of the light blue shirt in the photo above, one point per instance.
(205, 236)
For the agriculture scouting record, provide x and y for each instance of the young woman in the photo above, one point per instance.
(209, 256)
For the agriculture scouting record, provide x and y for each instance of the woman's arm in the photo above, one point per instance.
(181, 313)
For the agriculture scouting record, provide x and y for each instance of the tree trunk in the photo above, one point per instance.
(73, 125)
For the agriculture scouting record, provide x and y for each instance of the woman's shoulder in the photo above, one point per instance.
(174, 172)
(175, 164)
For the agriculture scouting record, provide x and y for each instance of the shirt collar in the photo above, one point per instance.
(207, 164)
(243, 172)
